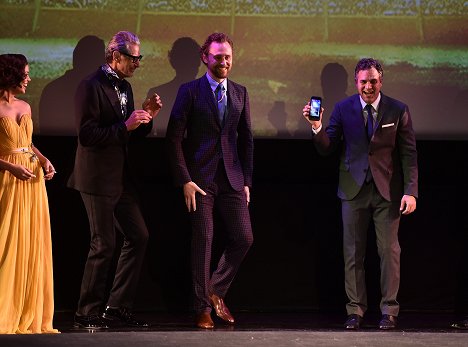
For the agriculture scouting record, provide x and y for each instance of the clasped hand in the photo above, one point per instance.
(49, 170)
(23, 173)
(153, 105)
(136, 118)
(151, 108)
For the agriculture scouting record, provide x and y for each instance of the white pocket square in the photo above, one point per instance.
(388, 125)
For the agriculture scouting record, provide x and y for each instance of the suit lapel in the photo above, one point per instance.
(231, 98)
(383, 107)
(357, 113)
(357, 126)
(210, 99)
(111, 94)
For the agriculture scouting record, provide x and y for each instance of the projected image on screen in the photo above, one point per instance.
(284, 52)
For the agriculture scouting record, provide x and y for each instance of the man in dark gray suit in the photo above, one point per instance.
(378, 181)
(215, 170)
(106, 123)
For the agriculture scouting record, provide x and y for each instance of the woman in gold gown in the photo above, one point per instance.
(26, 279)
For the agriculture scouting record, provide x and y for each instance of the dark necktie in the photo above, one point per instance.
(221, 99)
(370, 132)
(370, 122)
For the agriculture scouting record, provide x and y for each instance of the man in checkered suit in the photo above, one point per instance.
(214, 167)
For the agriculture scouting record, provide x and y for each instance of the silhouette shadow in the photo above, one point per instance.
(334, 81)
(184, 57)
(277, 117)
(56, 105)
(169, 246)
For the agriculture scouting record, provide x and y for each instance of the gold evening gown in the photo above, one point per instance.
(26, 279)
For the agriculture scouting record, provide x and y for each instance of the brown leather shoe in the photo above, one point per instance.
(221, 309)
(203, 320)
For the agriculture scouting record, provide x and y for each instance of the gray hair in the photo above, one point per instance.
(120, 42)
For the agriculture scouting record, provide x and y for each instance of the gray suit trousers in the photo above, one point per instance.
(357, 214)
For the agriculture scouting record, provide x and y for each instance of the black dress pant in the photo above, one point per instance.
(106, 214)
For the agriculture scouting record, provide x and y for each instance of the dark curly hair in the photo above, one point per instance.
(366, 64)
(215, 37)
(12, 70)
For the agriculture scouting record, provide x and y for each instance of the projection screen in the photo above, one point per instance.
(284, 52)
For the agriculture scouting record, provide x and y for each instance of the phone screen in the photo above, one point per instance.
(315, 106)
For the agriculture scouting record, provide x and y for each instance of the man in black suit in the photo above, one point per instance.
(106, 122)
(378, 181)
(215, 170)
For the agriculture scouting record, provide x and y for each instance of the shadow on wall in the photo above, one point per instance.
(56, 106)
(278, 117)
(184, 57)
(334, 82)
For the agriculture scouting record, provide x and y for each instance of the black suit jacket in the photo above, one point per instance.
(101, 156)
(391, 153)
(195, 113)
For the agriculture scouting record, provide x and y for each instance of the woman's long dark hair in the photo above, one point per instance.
(12, 70)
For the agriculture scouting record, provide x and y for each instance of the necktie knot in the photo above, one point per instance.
(220, 92)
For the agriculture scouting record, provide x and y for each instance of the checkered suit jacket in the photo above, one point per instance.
(195, 114)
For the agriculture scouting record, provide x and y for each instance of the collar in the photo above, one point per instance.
(213, 83)
(375, 104)
(111, 74)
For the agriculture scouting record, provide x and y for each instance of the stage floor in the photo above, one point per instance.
(254, 329)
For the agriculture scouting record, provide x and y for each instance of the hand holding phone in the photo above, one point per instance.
(315, 108)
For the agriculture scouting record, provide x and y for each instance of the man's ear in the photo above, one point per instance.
(116, 55)
(205, 59)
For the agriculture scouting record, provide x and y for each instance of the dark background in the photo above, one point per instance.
(296, 261)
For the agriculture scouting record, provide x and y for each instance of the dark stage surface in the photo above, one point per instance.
(255, 329)
(296, 261)
(294, 272)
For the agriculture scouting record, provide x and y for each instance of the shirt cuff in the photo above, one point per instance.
(316, 131)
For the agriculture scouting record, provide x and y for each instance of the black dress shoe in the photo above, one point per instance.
(92, 322)
(123, 316)
(461, 324)
(353, 322)
(388, 322)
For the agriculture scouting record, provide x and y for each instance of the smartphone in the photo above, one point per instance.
(315, 107)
